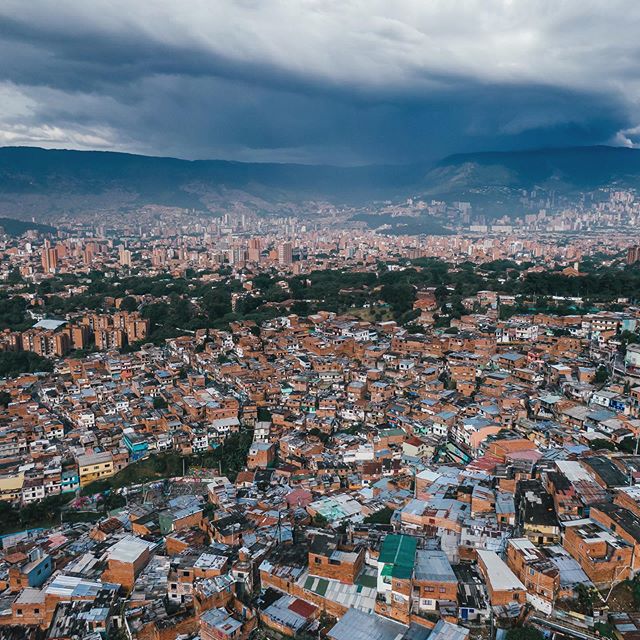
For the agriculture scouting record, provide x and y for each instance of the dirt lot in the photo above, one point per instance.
(621, 599)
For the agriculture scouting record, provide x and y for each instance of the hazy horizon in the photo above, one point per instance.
(318, 82)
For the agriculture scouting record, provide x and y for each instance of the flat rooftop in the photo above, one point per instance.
(129, 549)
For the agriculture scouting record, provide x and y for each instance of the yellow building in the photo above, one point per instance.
(11, 487)
(94, 467)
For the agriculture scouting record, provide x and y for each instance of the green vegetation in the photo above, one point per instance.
(586, 597)
(187, 303)
(602, 375)
(379, 517)
(627, 338)
(605, 630)
(13, 313)
(600, 443)
(628, 445)
(319, 520)
(159, 403)
(155, 467)
(14, 227)
(128, 304)
(13, 363)
(14, 278)
(230, 457)
(524, 633)
(45, 513)
(635, 591)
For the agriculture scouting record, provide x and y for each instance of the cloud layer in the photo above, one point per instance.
(337, 81)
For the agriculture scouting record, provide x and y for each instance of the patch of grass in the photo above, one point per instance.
(371, 314)
(625, 597)
(155, 467)
(605, 630)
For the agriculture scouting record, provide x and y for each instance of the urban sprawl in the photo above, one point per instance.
(260, 427)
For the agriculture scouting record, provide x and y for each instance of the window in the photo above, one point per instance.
(317, 560)
(36, 611)
(18, 612)
(532, 572)
(443, 590)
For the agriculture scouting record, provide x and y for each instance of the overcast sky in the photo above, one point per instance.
(333, 81)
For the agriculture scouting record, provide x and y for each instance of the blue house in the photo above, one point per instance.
(137, 446)
(32, 571)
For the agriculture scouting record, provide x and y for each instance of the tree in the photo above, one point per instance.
(13, 313)
(585, 598)
(9, 517)
(14, 277)
(524, 633)
(601, 376)
(5, 398)
(379, 517)
(15, 362)
(399, 296)
(319, 520)
(128, 304)
(601, 443)
(300, 308)
(159, 402)
(117, 633)
(635, 590)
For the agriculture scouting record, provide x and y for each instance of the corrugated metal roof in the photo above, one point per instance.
(357, 625)
(399, 551)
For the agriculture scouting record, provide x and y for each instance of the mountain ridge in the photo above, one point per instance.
(46, 182)
(580, 167)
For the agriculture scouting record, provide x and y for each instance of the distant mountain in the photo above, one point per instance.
(18, 227)
(46, 183)
(494, 181)
(43, 182)
(565, 170)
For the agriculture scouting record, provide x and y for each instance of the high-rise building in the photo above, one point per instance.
(49, 258)
(158, 257)
(124, 256)
(237, 255)
(255, 247)
(633, 254)
(285, 253)
(88, 254)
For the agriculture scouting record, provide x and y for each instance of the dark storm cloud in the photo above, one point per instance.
(316, 81)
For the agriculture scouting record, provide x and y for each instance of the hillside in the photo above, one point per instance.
(14, 227)
(51, 181)
(45, 183)
(563, 170)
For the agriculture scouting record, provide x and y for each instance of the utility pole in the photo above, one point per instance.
(279, 530)
(613, 583)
